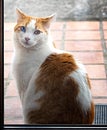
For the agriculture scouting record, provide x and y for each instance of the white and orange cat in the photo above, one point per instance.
(54, 87)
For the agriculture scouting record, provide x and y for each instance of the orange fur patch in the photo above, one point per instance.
(88, 81)
(54, 45)
(59, 104)
(41, 23)
(22, 22)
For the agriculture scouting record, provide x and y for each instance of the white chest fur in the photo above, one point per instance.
(25, 63)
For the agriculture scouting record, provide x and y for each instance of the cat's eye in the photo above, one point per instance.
(37, 32)
(23, 29)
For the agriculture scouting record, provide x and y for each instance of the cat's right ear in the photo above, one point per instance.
(20, 15)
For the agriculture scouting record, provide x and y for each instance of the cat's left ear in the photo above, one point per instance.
(48, 20)
(20, 15)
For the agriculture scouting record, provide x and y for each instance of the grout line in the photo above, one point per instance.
(69, 50)
(87, 30)
(7, 82)
(9, 79)
(8, 64)
(90, 79)
(8, 50)
(10, 97)
(83, 39)
(93, 63)
(90, 40)
(94, 30)
(95, 97)
(102, 37)
(98, 79)
(99, 97)
(103, 46)
(53, 30)
(14, 118)
(5, 39)
(100, 104)
(86, 51)
(62, 47)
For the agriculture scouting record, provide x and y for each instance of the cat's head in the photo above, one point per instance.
(30, 31)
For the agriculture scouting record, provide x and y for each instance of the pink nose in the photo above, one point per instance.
(27, 38)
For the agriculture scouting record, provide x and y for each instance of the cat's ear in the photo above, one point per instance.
(20, 15)
(52, 17)
(48, 20)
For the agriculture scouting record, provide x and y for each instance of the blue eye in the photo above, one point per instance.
(23, 29)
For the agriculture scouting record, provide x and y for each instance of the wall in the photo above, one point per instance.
(65, 9)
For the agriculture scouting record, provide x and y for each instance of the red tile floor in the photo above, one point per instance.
(83, 40)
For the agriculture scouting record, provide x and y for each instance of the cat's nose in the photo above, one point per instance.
(27, 39)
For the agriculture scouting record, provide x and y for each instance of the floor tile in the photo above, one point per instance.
(82, 35)
(99, 83)
(8, 46)
(105, 35)
(106, 44)
(7, 71)
(82, 25)
(58, 44)
(99, 88)
(12, 90)
(9, 26)
(14, 121)
(83, 45)
(96, 71)
(105, 25)
(8, 57)
(57, 26)
(13, 109)
(56, 35)
(80, 38)
(8, 36)
(100, 101)
(89, 57)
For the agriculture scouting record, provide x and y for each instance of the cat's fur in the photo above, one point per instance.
(54, 88)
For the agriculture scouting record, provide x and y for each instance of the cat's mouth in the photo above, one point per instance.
(27, 44)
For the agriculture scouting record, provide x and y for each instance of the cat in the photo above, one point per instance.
(54, 87)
